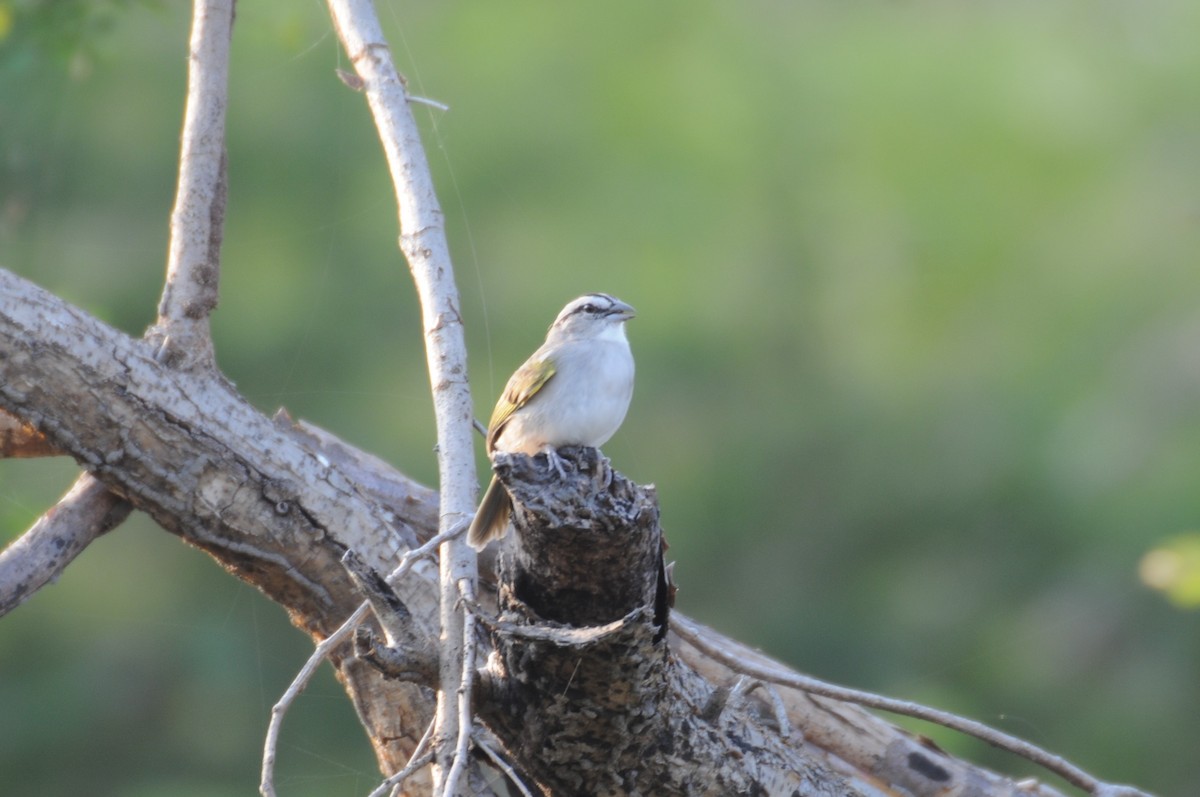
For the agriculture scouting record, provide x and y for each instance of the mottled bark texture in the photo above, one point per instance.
(616, 713)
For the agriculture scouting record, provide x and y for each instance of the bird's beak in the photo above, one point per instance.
(622, 311)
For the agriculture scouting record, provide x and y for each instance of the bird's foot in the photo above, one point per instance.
(556, 462)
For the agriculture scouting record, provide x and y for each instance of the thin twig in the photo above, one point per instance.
(441, 106)
(466, 589)
(423, 241)
(430, 546)
(267, 784)
(1049, 761)
(781, 717)
(322, 651)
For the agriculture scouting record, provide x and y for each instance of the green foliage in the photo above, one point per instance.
(1174, 568)
(34, 32)
(918, 375)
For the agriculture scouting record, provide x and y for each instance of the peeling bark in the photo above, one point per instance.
(19, 440)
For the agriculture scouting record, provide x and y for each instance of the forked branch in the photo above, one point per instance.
(181, 334)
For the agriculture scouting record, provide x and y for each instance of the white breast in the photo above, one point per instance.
(584, 402)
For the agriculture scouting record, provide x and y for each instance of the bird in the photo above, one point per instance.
(574, 390)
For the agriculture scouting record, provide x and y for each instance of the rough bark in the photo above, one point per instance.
(270, 505)
(587, 552)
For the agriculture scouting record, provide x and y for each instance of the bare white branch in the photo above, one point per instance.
(423, 241)
(466, 686)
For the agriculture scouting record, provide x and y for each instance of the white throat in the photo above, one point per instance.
(614, 333)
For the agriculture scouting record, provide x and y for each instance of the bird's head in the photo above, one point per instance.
(593, 315)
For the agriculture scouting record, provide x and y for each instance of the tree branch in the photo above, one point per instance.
(274, 507)
(193, 263)
(403, 636)
(423, 241)
(278, 505)
(39, 555)
(181, 332)
(778, 674)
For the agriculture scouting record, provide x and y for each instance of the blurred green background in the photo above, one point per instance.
(918, 344)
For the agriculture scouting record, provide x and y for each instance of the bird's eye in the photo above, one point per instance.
(591, 308)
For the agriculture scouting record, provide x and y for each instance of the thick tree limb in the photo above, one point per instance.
(423, 241)
(271, 506)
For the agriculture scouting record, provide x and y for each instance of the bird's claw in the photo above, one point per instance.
(556, 462)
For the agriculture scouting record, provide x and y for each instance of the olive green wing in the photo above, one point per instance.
(524, 385)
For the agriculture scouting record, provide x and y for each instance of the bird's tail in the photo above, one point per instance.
(491, 519)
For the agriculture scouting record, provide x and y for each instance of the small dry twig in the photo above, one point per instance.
(322, 651)
(466, 686)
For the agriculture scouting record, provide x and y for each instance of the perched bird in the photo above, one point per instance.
(574, 390)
